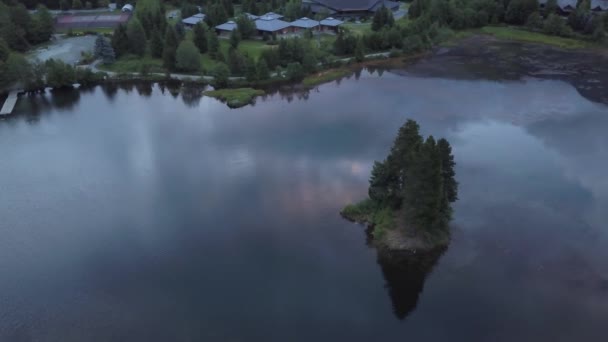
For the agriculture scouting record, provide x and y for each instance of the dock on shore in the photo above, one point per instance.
(10, 102)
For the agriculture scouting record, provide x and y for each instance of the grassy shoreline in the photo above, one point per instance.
(526, 36)
(235, 97)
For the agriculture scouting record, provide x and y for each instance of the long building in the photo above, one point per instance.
(349, 8)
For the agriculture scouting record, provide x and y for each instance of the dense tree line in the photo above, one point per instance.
(20, 29)
(417, 180)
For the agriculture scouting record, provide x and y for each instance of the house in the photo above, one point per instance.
(225, 29)
(330, 25)
(271, 16)
(127, 8)
(193, 20)
(267, 25)
(251, 16)
(303, 24)
(599, 5)
(349, 8)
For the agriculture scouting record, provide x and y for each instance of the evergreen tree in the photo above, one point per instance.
(359, 51)
(98, 46)
(156, 44)
(4, 50)
(450, 186)
(213, 44)
(180, 31)
(246, 27)
(262, 70)
(221, 75)
(250, 69)
(235, 38)
(120, 40)
(200, 37)
(137, 37)
(187, 57)
(236, 62)
(170, 48)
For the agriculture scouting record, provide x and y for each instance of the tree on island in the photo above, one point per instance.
(415, 186)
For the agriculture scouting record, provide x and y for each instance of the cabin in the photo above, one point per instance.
(193, 20)
(304, 24)
(127, 8)
(271, 16)
(330, 25)
(349, 8)
(269, 25)
(251, 16)
(225, 30)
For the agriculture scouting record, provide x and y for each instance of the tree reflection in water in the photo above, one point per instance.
(405, 273)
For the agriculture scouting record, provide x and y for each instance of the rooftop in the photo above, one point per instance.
(271, 25)
(228, 26)
(331, 22)
(270, 16)
(195, 19)
(305, 23)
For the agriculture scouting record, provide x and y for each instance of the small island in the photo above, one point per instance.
(410, 194)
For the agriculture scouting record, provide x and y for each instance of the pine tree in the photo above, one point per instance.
(213, 44)
(200, 37)
(262, 70)
(235, 38)
(250, 69)
(120, 40)
(107, 53)
(450, 186)
(98, 46)
(359, 52)
(170, 48)
(156, 44)
(137, 37)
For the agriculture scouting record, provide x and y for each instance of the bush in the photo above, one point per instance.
(221, 74)
(557, 26)
(534, 21)
(187, 57)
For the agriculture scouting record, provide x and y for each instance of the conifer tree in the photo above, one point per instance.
(200, 37)
(170, 48)
(137, 37)
(120, 40)
(156, 44)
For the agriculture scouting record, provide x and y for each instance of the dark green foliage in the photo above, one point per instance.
(180, 31)
(359, 51)
(518, 11)
(417, 179)
(136, 37)
(221, 73)
(235, 38)
(199, 37)
(187, 57)
(263, 73)
(309, 62)
(215, 15)
(4, 50)
(555, 25)
(188, 10)
(170, 48)
(213, 44)
(295, 72)
(250, 70)
(246, 27)
(382, 18)
(59, 74)
(345, 43)
(120, 41)
(535, 21)
(76, 4)
(271, 57)
(236, 62)
(104, 50)
(42, 26)
(64, 5)
(156, 44)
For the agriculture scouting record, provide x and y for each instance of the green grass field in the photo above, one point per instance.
(510, 33)
(130, 63)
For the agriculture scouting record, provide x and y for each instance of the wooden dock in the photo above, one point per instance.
(10, 102)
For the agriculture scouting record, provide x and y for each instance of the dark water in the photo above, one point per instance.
(138, 215)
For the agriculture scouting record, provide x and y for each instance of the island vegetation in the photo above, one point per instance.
(410, 193)
(237, 97)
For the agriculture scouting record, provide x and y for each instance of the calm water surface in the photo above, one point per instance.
(140, 215)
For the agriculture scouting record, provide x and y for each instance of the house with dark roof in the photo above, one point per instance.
(225, 29)
(304, 24)
(268, 24)
(599, 5)
(330, 25)
(349, 8)
(193, 20)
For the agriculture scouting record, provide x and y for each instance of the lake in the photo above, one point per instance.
(144, 214)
